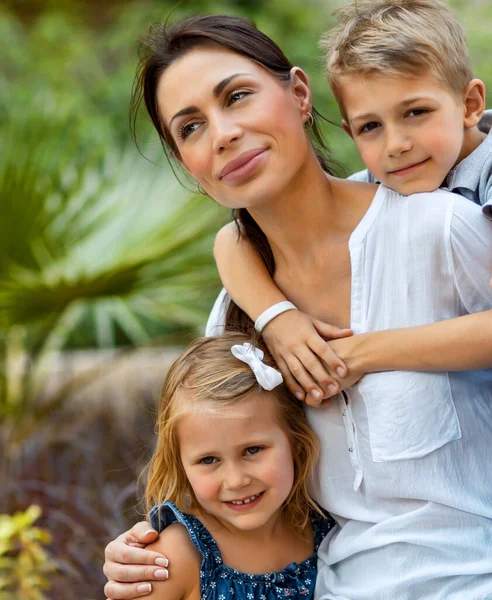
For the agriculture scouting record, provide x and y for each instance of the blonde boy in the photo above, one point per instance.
(401, 73)
(403, 79)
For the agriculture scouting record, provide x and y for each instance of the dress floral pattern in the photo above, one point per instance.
(220, 582)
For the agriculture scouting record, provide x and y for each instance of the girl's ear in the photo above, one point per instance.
(299, 82)
(474, 102)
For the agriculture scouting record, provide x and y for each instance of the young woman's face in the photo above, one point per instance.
(239, 462)
(238, 129)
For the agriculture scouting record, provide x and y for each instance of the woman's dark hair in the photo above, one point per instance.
(167, 43)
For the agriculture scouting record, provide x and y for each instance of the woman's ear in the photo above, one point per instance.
(302, 91)
(474, 102)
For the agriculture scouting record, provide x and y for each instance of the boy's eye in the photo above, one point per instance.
(369, 127)
(236, 96)
(252, 450)
(208, 460)
(187, 129)
(416, 112)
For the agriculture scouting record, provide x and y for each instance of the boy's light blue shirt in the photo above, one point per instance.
(471, 178)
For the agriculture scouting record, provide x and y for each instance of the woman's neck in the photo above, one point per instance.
(310, 209)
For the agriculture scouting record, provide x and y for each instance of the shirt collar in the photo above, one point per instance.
(467, 173)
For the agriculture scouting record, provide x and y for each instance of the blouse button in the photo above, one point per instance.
(344, 413)
(351, 449)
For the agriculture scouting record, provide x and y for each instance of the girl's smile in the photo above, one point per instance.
(239, 465)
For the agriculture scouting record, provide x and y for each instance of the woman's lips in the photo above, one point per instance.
(242, 166)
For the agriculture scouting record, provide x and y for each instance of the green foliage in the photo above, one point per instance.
(24, 563)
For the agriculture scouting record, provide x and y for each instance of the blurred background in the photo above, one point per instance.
(106, 268)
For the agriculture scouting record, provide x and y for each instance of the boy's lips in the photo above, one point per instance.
(408, 168)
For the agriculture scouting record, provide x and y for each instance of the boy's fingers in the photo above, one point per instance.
(317, 370)
(294, 388)
(314, 394)
(126, 591)
(331, 332)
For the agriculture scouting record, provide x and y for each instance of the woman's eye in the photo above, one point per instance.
(416, 112)
(236, 96)
(369, 127)
(187, 129)
(208, 460)
(252, 450)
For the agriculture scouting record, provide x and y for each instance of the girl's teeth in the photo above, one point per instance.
(246, 500)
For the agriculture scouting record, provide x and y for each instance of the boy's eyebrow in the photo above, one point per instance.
(216, 92)
(403, 103)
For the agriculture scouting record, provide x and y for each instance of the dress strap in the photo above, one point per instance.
(167, 513)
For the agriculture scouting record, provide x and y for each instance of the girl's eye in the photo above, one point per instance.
(236, 96)
(208, 460)
(187, 129)
(416, 112)
(369, 127)
(252, 450)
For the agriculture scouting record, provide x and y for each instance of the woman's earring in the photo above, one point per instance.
(201, 190)
(310, 121)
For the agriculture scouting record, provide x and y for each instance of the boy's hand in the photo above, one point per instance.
(129, 567)
(305, 359)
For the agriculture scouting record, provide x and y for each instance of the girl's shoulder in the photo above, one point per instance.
(184, 563)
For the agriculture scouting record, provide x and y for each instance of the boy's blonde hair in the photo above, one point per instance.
(395, 38)
(209, 373)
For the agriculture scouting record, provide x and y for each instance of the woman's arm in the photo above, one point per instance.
(184, 580)
(296, 340)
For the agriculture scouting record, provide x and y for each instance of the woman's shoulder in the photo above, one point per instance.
(184, 565)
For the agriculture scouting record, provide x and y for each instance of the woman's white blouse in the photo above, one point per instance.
(405, 456)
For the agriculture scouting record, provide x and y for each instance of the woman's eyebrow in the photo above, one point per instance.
(216, 92)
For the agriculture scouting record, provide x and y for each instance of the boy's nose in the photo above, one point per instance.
(397, 142)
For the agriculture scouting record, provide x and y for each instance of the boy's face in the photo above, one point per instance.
(409, 131)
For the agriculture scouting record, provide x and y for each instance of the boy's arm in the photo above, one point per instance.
(459, 344)
(293, 338)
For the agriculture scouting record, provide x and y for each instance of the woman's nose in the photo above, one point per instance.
(226, 131)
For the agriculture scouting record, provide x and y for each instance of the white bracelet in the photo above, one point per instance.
(270, 313)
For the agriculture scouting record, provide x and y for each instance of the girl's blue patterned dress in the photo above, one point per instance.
(220, 582)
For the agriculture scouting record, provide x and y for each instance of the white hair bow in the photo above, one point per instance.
(268, 377)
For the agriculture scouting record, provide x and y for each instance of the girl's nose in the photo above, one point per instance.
(236, 478)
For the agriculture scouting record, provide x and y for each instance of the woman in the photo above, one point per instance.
(402, 454)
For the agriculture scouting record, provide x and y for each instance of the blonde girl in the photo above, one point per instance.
(228, 481)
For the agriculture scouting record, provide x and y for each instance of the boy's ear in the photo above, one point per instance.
(302, 90)
(346, 128)
(474, 101)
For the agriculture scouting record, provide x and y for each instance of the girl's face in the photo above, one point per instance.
(238, 129)
(239, 463)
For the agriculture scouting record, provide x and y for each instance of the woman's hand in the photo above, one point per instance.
(129, 567)
(304, 358)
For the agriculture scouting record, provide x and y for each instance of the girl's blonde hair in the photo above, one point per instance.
(208, 372)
